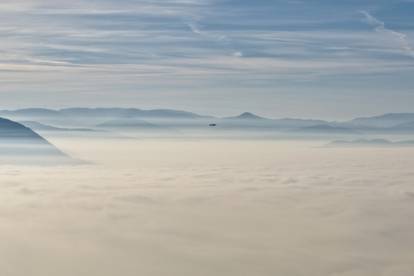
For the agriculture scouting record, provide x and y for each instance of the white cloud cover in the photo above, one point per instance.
(260, 203)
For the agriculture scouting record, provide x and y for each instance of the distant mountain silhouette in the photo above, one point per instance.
(79, 117)
(253, 121)
(31, 112)
(130, 112)
(82, 119)
(371, 142)
(404, 127)
(383, 121)
(127, 123)
(44, 127)
(297, 123)
(326, 129)
(247, 116)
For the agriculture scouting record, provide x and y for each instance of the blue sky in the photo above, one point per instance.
(323, 59)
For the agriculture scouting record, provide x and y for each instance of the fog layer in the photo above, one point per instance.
(209, 207)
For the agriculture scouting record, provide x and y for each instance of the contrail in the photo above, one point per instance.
(379, 26)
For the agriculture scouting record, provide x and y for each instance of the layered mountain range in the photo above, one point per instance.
(89, 119)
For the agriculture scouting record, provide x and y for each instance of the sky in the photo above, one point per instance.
(315, 58)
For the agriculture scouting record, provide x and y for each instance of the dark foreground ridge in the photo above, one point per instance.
(17, 140)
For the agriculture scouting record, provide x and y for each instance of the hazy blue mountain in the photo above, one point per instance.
(253, 121)
(383, 121)
(246, 116)
(44, 127)
(82, 119)
(406, 142)
(17, 139)
(129, 112)
(404, 127)
(128, 123)
(167, 113)
(41, 115)
(296, 123)
(97, 112)
(90, 117)
(371, 142)
(31, 112)
(326, 129)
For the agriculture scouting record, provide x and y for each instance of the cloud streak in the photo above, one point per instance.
(137, 47)
(400, 38)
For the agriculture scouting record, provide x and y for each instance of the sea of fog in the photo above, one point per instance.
(204, 207)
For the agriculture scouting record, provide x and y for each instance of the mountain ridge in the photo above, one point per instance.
(90, 117)
(17, 139)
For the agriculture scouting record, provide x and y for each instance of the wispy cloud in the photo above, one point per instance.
(197, 30)
(380, 27)
(108, 46)
(222, 39)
